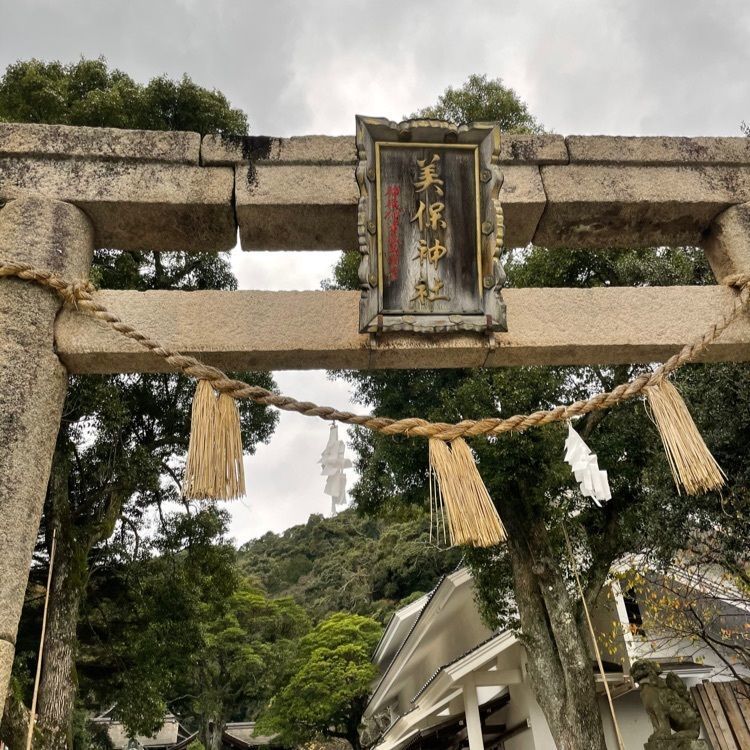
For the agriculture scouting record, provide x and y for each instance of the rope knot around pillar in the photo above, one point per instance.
(739, 281)
(76, 291)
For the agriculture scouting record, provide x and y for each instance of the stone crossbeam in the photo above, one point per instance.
(142, 190)
(178, 191)
(250, 330)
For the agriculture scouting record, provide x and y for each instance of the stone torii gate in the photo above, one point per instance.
(65, 191)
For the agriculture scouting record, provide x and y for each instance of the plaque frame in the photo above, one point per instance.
(483, 139)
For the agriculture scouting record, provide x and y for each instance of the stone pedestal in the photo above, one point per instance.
(58, 237)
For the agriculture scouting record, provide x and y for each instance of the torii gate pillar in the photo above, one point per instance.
(59, 237)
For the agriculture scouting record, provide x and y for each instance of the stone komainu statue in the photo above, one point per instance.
(668, 704)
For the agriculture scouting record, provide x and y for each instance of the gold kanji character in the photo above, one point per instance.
(436, 216)
(419, 216)
(431, 253)
(421, 293)
(435, 211)
(424, 293)
(434, 291)
(428, 175)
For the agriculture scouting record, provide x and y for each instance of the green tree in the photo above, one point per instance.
(89, 93)
(482, 99)
(327, 693)
(120, 447)
(349, 563)
(532, 488)
(249, 641)
(145, 618)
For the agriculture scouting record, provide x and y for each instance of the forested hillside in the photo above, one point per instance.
(349, 563)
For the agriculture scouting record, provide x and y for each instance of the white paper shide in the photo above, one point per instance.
(333, 462)
(593, 480)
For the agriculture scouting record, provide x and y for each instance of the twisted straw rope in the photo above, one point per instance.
(80, 295)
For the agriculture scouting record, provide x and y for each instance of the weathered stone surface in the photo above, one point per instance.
(340, 149)
(727, 243)
(307, 330)
(305, 149)
(533, 149)
(599, 206)
(299, 207)
(143, 190)
(614, 325)
(134, 205)
(675, 743)
(523, 200)
(313, 207)
(56, 236)
(64, 141)
(657, 150)
(7, 651)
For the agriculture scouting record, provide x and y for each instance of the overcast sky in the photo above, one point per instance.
(630, 67)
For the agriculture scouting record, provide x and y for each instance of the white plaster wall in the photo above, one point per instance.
(634, 723)
(523, 705)
(633, 720)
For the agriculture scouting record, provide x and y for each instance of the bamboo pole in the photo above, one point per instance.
(620, 742)
(32, 715)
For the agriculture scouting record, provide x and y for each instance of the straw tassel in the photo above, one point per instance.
(471, 514)
(214, 469)
(693, 467)
(229, 460)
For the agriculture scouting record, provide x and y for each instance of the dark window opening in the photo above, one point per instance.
(635, 618)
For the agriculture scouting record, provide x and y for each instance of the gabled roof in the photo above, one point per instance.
(399, 626)
(439, 594)
(710, 581)
(443, 686)
(445, 666)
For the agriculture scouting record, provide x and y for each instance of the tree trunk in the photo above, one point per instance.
(559, 663)
(58, 684)
(57, 688)
(212, 732)
(352, 736)
(356, 710)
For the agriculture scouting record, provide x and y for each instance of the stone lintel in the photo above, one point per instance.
(66, 142)
(257, 330)
(532, 149)
(594, 205)
(515, 149)
(658, 150)
(145, 189)
(134, 205)
(223, 150)
(314, 207)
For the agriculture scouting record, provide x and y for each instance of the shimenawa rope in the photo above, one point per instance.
(80, 294)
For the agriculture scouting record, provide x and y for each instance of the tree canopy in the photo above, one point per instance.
(328, 690)
(248, 646)
(354, 563)
(89, 93)
(481, 99)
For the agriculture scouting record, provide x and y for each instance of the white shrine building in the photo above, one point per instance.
(448, 682)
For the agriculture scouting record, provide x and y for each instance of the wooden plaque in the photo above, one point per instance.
(430, 226)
